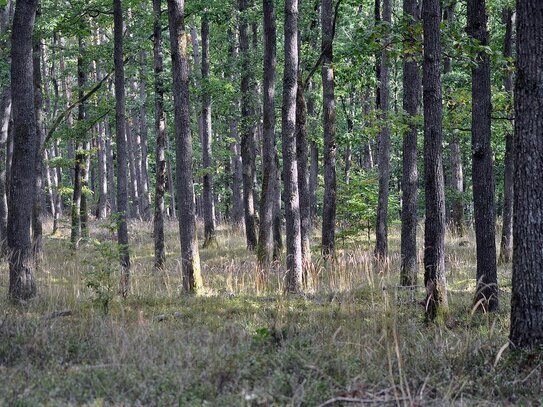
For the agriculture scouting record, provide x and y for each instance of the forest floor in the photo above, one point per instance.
(355, 335)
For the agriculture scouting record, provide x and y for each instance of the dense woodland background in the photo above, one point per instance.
(299, 201)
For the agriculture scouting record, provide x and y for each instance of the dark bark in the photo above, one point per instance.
(483, 177)
(329, 125)
(506, 245)
(22, 182)
(122, 154)
(277, 213)
(302, 155)
(110, 169)
(527, 288)
(314, 166)
(457, 172)
(434, 226)
(381, 228)
(248, 129)
(411, 103)
(207, 157)
(265, 237)
(160, 130)
(144, 160)
(190, 259)
(290, 166)
(39, 198)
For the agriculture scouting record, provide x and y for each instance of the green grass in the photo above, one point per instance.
(354, 334)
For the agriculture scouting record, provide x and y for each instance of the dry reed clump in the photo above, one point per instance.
(354, 336)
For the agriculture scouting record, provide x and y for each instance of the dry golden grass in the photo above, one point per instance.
(355, 335)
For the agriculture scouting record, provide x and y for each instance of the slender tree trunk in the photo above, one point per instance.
(22, 182)
(145, 194)
(434, 226)
(302, 155)
(160, 130)
(329, 118)
(171, 187)
(411, 103)
(85, 172)
(207, 158)
(134, 176)
(457, 172)
(57, 181)
(277, 213)
(314, 153)
(265, 238)
(102, 173)
(110, 169)
(236, 162)
(248, 131)
(483, 177)
(290, 165)
(381, 228)
(5, 112)
(526, 298)
(37, 209)
(506, 246)
(190, 259)
(122, 176)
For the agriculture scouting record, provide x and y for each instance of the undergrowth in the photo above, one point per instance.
(354, 335)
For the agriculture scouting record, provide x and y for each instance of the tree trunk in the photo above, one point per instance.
(22, 183)
(411, 103)
(314, 166)
(110, 169)
(265, 238)
(329, 125)
(483, 177)
(235, 160)
(5, 112)
(207, 158)
(248, 130)
(190, 259)
(160, 130)
(144, 165)
(134, 176)
(434, 226)
(277, 213)
(381, 228)
(102, 173)
(38, 209)
(290, 165)
(302, 155)
(457, 173)
(122, 176)
(526, 299)
(506, 246)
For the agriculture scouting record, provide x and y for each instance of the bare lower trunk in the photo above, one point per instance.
(144, 164)
(37, 209)
(434, 226)
(190, 259)
(5, 113)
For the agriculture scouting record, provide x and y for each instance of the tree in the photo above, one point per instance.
(22, 285)
(122, 154)
(265, 236)
(434, 226)
(526, 298)
(506, 245)
(411, 103)
(483, 179)
(290, 166)
(160, 130)
(329, 123)
(381, 229)
(248, 130)
(190, 258)
(209, 204)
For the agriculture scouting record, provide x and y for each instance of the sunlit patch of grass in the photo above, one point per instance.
(353, 333)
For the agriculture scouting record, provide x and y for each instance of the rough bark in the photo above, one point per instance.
(506, 245)
(5, 113)
(290, 166)
(207, 139)
(248, 129)
(144, 157)
(527, 288)
(314, 153)
(39, 198)
(381, 228)
(22, 182)
(329, 125)
(110, 169)
(160, 130)
(483, 178)
(120, 130)
(411, 103)
(265, 236)
(190, 259)
(457, 172)
(434, 226)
